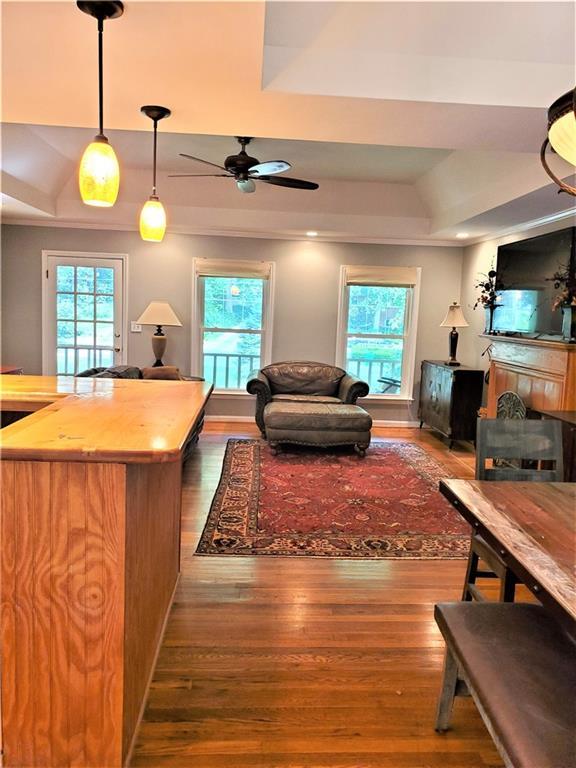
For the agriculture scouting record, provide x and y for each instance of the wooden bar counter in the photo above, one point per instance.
(90, 556)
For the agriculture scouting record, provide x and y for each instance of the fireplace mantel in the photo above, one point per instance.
(543, 373)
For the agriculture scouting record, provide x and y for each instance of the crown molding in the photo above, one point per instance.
(186, 230)
(524, 227)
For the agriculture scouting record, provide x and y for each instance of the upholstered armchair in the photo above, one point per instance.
(303, 381)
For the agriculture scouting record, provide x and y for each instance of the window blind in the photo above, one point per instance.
(233, 268)
(362, 275)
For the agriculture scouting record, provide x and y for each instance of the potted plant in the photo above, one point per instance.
(565, 282)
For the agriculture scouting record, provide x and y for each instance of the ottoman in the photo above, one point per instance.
(321, 424)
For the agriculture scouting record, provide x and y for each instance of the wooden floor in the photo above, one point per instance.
(295, 662)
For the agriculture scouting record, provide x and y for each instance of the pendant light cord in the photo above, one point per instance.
(155, 143)
(100, 78)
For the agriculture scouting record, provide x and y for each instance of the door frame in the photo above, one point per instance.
(123, 257)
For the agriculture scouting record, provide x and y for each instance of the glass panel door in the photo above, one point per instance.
(83, 314)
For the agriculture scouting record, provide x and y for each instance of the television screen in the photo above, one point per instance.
(527, 294)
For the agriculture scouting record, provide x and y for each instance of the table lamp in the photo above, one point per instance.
(159, 313)
(454, 319)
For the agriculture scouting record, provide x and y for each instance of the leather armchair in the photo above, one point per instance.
(303, 381)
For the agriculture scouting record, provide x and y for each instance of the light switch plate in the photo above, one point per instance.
(135, 327)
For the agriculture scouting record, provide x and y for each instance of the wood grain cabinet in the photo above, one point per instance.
(450, 398)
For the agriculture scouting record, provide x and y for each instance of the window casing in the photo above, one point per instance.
(232, 318)
(377, 325)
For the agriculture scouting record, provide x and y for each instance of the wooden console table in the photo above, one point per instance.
(90, 524)
(543, 373)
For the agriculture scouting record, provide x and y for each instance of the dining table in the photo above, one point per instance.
(532, 526)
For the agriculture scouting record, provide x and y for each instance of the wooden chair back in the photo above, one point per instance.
(529, 440)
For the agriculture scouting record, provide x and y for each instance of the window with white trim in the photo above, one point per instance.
(377, 327)
(233, 318)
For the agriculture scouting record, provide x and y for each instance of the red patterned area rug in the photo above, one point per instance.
(385, 506)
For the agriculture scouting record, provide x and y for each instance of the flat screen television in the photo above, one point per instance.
(523, 270)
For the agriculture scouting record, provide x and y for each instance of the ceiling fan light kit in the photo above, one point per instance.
(246, 185)
(99, 172)
(561, 136)
(153, 215)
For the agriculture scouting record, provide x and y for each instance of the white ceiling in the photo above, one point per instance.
(492, 53)
(418, 120)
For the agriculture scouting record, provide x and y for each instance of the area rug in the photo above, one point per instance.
(313, 503)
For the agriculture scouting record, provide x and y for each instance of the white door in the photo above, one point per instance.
(83, 313)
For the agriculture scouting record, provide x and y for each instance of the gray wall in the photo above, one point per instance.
(306, 296)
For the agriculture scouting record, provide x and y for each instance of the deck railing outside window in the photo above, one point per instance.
(383, 376)
(227, 371)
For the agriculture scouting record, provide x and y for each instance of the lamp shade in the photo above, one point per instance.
(454, 317)
(152, 221)
(159, 313)
(99, 174)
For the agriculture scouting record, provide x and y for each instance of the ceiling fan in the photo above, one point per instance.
(247, 170)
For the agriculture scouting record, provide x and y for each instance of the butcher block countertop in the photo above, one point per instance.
(102, 420)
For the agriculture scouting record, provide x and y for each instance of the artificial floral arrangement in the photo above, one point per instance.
(565, 281)
(489, 298)
(489, 286)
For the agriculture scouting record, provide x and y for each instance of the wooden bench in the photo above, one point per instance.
(518, 665)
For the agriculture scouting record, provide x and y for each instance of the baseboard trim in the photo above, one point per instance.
(244, 419)
(391, 423)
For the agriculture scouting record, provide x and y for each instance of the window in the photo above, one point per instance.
(83, 315)
(377, 327)
(233, 310)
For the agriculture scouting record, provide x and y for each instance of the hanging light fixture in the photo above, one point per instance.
(99, 175)
(153, 215)
(561, 136)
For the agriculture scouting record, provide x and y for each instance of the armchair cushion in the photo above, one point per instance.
(305, 399)
(303, 378)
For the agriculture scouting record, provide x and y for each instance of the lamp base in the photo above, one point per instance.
(158, 347)
(453, 340)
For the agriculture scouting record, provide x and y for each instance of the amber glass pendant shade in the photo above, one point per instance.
(153, 215)
(152, 221)
(99, 175)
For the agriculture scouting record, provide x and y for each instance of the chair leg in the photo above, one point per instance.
(448, 692)
(507, 587)
(471, 573)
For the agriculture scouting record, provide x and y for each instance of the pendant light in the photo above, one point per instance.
(153, 215)
(561, 136)
(99, 175)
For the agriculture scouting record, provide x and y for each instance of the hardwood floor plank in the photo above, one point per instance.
(278, 662)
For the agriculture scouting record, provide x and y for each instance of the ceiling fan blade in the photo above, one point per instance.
(199, 175)
(270, 167)
(284, 181)
(199, 160)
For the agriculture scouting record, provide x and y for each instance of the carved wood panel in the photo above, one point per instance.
(544, 377)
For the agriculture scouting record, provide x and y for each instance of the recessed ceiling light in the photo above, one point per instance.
(312, 233)
(462, 235)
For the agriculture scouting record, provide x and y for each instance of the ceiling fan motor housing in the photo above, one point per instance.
(240, 164)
